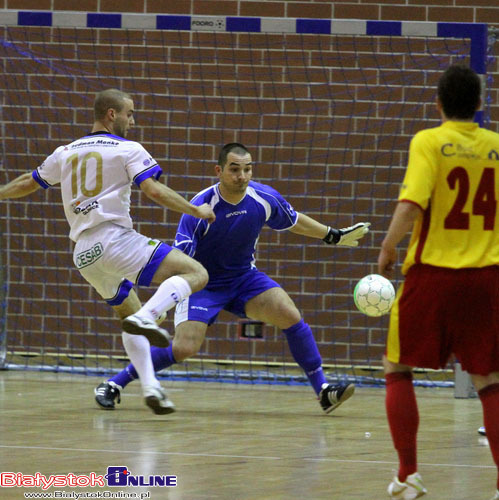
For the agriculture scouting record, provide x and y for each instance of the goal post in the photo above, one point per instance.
(327, 109)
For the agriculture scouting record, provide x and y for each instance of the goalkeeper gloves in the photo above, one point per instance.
(348, 236)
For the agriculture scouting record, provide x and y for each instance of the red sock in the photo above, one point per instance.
(489, 396)
(403, 419)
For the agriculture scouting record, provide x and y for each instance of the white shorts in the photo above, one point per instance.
(113, 258)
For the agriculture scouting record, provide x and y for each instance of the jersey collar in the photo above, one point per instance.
(217, 187)
(105, 132)
(460, 125)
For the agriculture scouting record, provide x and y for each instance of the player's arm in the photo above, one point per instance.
(347, 236)
(402, 221)
(168, 198)
(18, 188)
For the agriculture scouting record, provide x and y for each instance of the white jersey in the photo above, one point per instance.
(95, 173)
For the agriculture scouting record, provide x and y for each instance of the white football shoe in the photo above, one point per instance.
(410, 489)
(138, 325)
(157, 399)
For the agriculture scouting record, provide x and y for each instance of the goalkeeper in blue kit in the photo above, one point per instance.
(226, 248)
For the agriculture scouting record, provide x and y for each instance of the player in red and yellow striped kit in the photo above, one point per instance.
(449, 301)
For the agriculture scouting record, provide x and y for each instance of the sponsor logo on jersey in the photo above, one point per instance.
(84, 259)
(237, 212)
(458, 150)
(84, 210)
(95, 142)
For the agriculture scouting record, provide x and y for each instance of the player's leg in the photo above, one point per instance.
(106, 257)
(488, 392)
(179, 276)
(403, 420)
(475, 330)
(192, 317)
(415, 338)
(275, 306)
(138, 350)
(188, 339)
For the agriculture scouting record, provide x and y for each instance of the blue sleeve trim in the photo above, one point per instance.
(155, 171)
(173, 22)
(36, 176)
(34, 18)
(121, 294)
(103, 20)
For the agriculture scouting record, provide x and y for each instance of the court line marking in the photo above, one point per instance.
(396, 463)
(218, 455)
(248, 457)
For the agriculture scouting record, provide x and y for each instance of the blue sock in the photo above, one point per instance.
(161, 358)
(304, 349)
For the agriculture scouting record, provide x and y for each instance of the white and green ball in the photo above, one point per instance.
(374, 295)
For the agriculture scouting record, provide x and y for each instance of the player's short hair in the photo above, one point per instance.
(459, 91)
(109, 98)
(232, 147)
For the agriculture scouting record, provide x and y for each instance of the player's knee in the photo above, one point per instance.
(200, 278)
(290, 318)
(481, 382)
(184, 350)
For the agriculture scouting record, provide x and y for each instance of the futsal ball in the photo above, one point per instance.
(374, 295)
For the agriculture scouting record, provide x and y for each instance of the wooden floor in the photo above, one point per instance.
(236, 442)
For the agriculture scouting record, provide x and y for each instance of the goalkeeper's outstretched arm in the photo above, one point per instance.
(347, 236)
(18, 188)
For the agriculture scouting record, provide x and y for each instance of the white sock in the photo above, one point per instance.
(139, 352)
(168, 295)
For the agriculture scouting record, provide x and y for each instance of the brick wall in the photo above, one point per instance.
(319, 115)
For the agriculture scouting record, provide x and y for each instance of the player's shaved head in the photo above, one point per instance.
(232, 147)
(109, 98)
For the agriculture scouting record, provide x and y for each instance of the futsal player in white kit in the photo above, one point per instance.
(226, 248)
(95, 173)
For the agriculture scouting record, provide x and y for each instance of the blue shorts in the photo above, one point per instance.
(231, 296)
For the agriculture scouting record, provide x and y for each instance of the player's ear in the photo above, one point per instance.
(438, 103)
(440, 109)
(218, 170)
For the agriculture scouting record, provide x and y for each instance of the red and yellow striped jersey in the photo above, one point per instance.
(453, 175)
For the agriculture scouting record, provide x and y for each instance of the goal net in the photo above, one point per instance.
(327, 110)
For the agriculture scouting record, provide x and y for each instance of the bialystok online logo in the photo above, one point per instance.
(116, 476)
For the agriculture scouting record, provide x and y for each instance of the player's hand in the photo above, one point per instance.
(204, 211)
(348, 236)
(387, 259)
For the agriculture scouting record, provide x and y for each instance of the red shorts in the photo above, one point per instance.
(440, 311)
